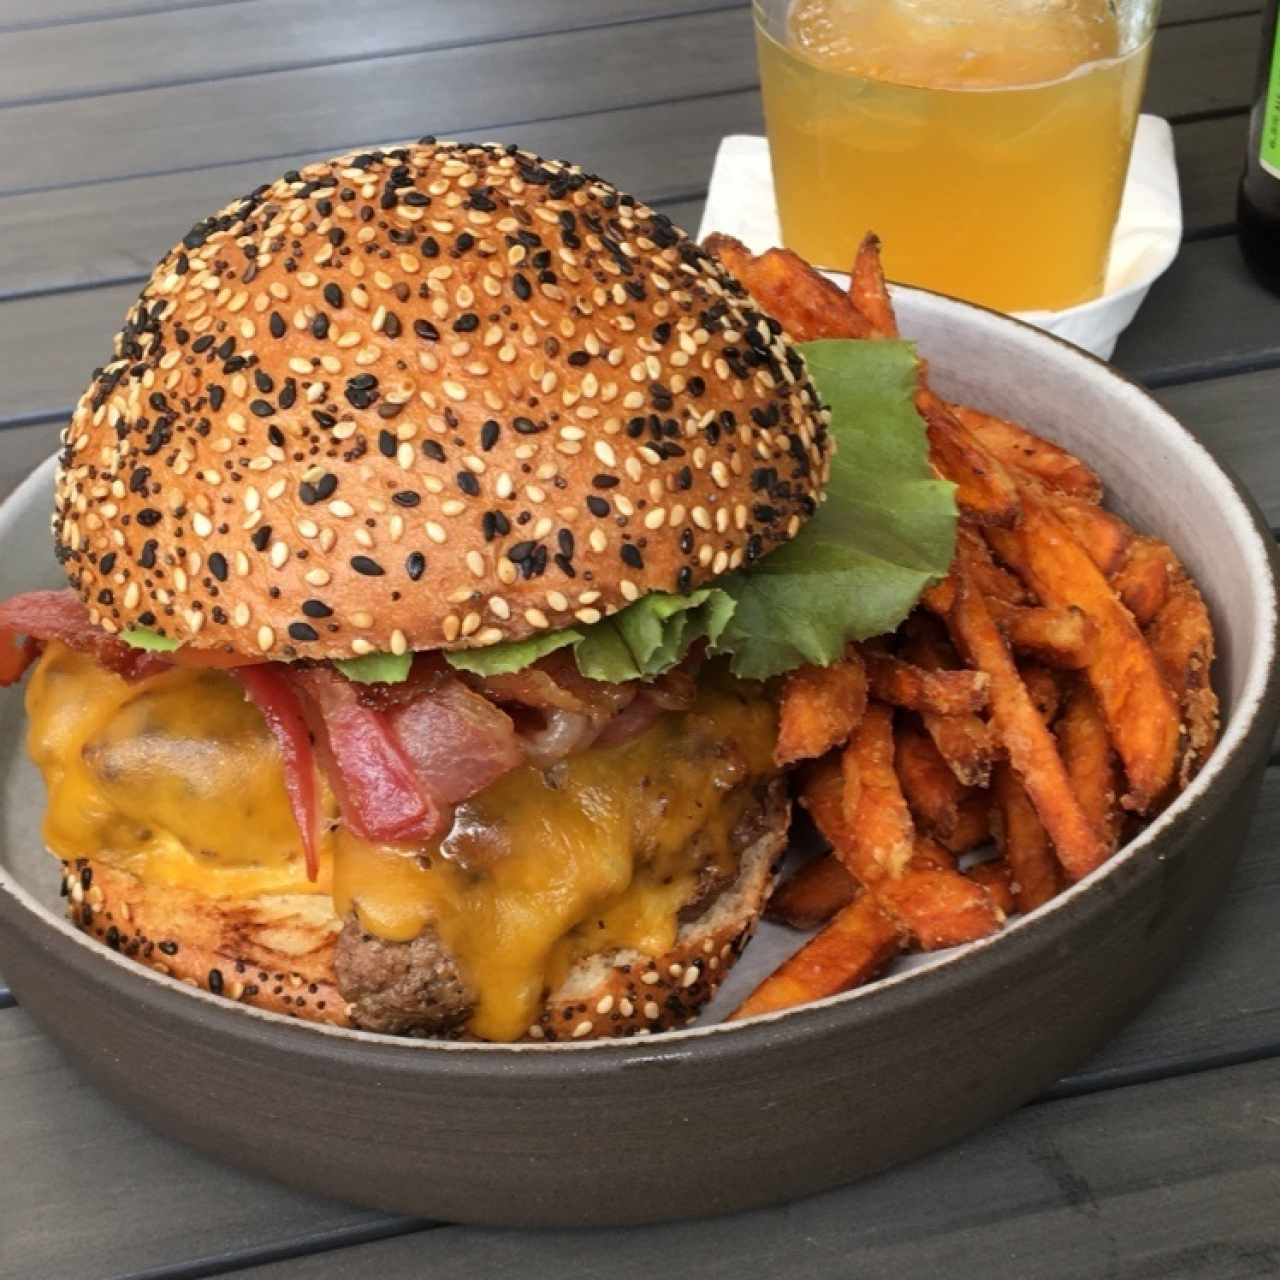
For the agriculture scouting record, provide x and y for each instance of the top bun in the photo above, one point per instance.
(431, 397)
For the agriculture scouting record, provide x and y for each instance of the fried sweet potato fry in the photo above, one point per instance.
(1032, 750)
(820, 708)
(802, 300)
(822, 794)
(1104, 536)
(868, 292)
(1044, 687)
(813, 894)
(1023, 842)
(965, 741)
(996, 878)
(1017, 447)
(1135, 698)
(985, 491)
(1142, 581)
(882, 836)
(933, 792)
(973, 823)
(855, 946)
(1060, 637)
(1181, 637)
(938, 908)
(1091, 763)
(903, 684)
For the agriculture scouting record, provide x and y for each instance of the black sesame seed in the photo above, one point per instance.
(521, 551)
(148, 517)
(169, 948)
(406, 498)
(467, 322)
(288, 394)
(464, 242)
(147, 556)
(631, 555)
(468, 484)
(597, 506)
(263, 381)
(320, 326)
(202, 343)
(261, 408)
(430, 247)
(684, 579)
(217, 395)
(686, 541)
(333, 296)
(433, 450)
(316, 609)
(489, 435)
(261, 537)
(386, 444)
(302, 631)
(426, 330)
(370, 568)
(215, 981)
(218, 566)
(415, 565)
(565, 541)
(523, 289)
(325, 420)
(391, 325)
(604, 480)
(107, 563)
(527, 426)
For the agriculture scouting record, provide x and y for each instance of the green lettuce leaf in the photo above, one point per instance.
(885, 532)
(152, 641)
(644, 639)
(856, 569)
(376, 668)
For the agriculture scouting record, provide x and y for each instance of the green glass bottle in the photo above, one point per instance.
(1258, 206)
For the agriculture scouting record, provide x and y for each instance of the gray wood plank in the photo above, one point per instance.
(493, 87)
(1221, 1006)
(1210, 156)
(189, 45)
(100, 232)
(1176, 1180)
(1172, 11)
(1237, 418)
(1200, 67)
(1206, 316)
(21, 15)
(101, 1195)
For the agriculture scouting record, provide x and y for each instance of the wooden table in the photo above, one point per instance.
(121, 122)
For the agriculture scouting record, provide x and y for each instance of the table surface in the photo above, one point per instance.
(121, 122)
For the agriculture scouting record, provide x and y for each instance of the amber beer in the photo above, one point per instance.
(986, 141)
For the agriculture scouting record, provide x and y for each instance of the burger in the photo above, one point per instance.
(386, 692)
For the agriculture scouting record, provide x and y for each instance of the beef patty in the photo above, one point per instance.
(415, 989)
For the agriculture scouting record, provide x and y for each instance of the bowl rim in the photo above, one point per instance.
(1260, 691)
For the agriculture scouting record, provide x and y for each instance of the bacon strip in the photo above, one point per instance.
(268, 688)
(456, 741)
(376, 783)
(39, 616)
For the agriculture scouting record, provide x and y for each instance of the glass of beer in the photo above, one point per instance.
(985, 141)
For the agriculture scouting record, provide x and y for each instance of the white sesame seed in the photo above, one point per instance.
(582, 1029)
(266, 638)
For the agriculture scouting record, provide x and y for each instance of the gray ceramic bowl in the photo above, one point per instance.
(723, 1117)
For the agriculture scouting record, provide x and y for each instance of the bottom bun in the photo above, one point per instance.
(276, 951)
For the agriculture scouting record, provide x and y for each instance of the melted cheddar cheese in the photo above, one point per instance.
(177, 780)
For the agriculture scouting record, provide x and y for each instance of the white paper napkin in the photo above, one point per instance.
(741, 203)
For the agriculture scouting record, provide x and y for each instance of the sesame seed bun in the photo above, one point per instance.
(432, 397)
(276, 951)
